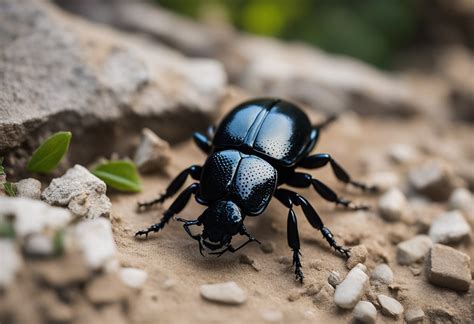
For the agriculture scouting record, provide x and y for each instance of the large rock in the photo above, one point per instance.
(60, 72)
(265, 66)
(81, 191)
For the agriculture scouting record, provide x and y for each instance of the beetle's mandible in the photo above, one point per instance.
(256, 148)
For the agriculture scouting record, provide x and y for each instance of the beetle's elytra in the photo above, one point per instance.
(256, 148)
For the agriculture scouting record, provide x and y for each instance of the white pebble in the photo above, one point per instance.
(365, 312)
(450, 227)
(33, 216)
(461, 199)
(351, 289)
(414, 315)
(392, 204)
(384, 180)
(132, 277)
(390, 306)
(382, 273)
(413, 249)
(272, 315)
(96, 241)
(227, 293)
(39, 245)
(403, 153)
(11, 262)
(29, 188)
(334, 278)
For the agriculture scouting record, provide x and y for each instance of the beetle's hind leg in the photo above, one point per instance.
(290, 198)
(304, 180)
(294, 243)
(194, 171)
(176, 207)
(320, 160)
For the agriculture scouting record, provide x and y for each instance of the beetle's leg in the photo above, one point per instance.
(294, 243)
(288, 198)
(304, 180)
(230, 248)
(319, 160)
(175, 208)
(174, 186)
(329, 120)
(203, 142)
(186, 225)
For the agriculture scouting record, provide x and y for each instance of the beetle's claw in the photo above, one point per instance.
(299, 275)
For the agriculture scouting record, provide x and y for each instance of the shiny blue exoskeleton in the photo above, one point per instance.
(257, 147)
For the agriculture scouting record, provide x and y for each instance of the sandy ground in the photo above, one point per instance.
(176, 269)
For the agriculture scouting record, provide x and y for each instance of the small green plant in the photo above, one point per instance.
(49, 154)
(121, 175)
(58, 242)
(10, 189)
(6, 229)
(2, 169)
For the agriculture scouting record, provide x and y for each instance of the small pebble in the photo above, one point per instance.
(245, 259)
(365, 312)
(413, 249)
(383, 274)
(169, 283)
(133, 278)
(284, 260)
(106, 289)
(39, 245)
(462, 199)
(334, 278)
(325, 295)
(390, 306)
(433, 179)
(358, 255)
(449, 268)
(403, 153)
(153, 153)
(384, 180)
(267, 247)
(29, 188)
(228, 293)
(11, 262)
(272, 315)
(392, 204)
(351, 289)
(450, 227)
(294, 294)
(414, 315)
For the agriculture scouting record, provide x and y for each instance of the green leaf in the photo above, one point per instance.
(7, 230)
(121, 175)
(10, 189)
(49, 154)
(58, 242)
(2, 170)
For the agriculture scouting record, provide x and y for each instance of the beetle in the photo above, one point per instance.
(256, 148)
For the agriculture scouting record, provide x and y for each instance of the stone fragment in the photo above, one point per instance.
(271, 315)
(32, 216)
(433, 179)
(392, 205)
(403, 153)
(81, 191)
(153, 153)
(384, 180)
(413, 249)
(245, 259)
(132, 277)
(334, 278)
(383, 274)
(325, 295)
(267, 246)
(226, 293)
(450, 227)
(351, 289)
(106, 289)
(29, 188)
(96, 242)
(11, 262)
(462, 199)
(390, 306)
(449, 268)
(358, 255)
(365, 312)
(39, 245)
(414, 315)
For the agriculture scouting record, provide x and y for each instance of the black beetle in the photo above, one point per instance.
(255, 149)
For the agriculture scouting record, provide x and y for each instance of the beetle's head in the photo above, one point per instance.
(222, 220)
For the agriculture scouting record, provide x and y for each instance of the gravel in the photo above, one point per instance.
(11, 262)
(81, 191)
(449, 268)
(133, 278)
(403, 153)
(28, 188)
(433, 179)
(462, 199)
(414, 315)
(365, 312)
(390, 306)
(153, 153)
(450, 227)
(383, 274)
(358, 256)
(227, 293)
(392, 205)
(33, 216)
(334, 278)
(351, 289)
(96, 241)
(413, 249)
